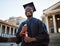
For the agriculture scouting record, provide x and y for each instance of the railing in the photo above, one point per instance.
(7, 35)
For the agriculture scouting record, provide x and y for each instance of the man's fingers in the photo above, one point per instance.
(27, 39)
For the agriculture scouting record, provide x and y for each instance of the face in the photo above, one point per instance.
(29, 12)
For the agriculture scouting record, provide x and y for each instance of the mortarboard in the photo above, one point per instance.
(31, 5)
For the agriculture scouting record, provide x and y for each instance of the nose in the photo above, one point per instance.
(28, 13)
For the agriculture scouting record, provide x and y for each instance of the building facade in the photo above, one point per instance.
(7, 30)
(51, 17)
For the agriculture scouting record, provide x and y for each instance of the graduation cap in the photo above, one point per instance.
(29, 5)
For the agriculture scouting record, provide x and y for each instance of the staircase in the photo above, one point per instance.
(54, 39)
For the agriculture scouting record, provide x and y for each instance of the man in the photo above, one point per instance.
(37, 32)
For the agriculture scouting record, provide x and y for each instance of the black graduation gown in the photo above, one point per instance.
(36, 29)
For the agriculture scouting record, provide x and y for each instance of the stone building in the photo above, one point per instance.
(51, 17)
(15, 20)
(7, 30)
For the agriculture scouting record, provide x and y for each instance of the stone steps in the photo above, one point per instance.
(54, 39)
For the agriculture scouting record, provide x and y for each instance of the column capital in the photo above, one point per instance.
(53, 14)
(45, 14)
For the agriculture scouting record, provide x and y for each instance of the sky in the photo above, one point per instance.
(14, 8)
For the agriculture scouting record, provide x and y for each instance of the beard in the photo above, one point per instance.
(29, 15)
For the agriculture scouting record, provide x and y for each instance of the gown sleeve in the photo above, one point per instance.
(18, 37)
(42, 35)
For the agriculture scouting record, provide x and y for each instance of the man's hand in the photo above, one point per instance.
(24, 28)
(29, 39)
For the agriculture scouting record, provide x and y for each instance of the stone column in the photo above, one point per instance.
(10, 30)
(16, 30)
(54, 24)
(5, 29)
(13, 31)
(1, 30)
(47, 24)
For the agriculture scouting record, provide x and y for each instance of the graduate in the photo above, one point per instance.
(32, 32)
